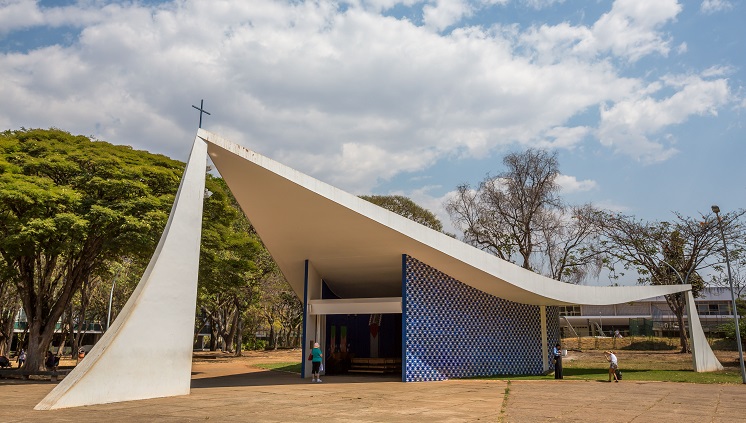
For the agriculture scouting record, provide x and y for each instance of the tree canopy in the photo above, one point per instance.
(404, 206)
(67, 205)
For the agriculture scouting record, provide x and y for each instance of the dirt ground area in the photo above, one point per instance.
(226, 388)
(249, 357)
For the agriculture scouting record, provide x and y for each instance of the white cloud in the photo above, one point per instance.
(631, 30)
(713, 6)
(445, 13)
(541, 4)
(631, 125)
(350, 96)
(18, 14)
(563, 137)
(570, 184)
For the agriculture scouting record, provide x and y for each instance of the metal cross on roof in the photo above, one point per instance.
(201, 109)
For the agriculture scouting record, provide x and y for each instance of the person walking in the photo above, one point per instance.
(557, 355)
(21, 358)
(613, 364)
(316, 362)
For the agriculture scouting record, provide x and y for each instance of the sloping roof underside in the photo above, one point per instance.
(357, 246)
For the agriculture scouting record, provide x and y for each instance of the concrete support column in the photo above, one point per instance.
(544, 340)
(313, 325)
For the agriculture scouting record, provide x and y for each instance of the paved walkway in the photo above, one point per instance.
(221, 393)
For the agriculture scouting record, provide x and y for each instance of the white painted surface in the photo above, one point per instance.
(356, 246)
(147, 352)
(313, 323)
(356, 306)
(703, 358)
(544, 341)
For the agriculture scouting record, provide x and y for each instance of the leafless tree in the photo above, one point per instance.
(519, 217)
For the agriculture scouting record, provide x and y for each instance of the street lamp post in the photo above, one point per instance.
(716, 210)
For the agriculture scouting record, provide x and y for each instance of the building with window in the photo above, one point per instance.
(652, 316)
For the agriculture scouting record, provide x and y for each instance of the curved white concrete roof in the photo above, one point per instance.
(357, 246)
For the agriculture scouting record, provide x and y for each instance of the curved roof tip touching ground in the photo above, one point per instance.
(357, 246)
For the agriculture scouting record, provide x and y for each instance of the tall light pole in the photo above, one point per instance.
(716, 210)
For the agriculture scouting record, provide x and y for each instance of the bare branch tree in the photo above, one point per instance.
(519, 217)
(655, 249)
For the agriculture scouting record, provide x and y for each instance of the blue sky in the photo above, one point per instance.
(643, 100)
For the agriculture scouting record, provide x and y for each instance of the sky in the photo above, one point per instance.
(644, 101)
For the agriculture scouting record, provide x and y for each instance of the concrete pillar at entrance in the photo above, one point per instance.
(314, 325)
(544, 341)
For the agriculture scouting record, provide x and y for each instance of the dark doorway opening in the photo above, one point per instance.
(363, 343)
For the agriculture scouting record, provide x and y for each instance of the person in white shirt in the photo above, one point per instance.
(613, 365)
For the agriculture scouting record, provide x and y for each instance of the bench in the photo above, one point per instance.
(24, 374)
(375, 365)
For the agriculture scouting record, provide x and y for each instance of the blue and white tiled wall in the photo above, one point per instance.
(452, 330)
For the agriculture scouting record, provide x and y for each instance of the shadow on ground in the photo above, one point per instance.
(275, 378)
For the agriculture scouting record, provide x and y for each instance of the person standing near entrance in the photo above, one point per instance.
(557, 353)
(316, 362)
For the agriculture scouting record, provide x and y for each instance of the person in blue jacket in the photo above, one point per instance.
(557, 355)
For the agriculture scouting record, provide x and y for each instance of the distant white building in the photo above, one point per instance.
(648, 317)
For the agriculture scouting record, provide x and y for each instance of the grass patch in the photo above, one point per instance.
(505, 403)
(281, 367)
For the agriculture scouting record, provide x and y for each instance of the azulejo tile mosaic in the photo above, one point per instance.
(453, 330)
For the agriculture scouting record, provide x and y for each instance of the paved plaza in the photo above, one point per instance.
(238, 392)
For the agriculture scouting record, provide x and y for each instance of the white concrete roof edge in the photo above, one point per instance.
(543, 290)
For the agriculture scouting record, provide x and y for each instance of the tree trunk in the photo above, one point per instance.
(38, 345)
(230, 335)
(677, 304)
(239, 337)
(682, 333)
(82, 327)
(213, 335)
(6, 339)
(272, 343)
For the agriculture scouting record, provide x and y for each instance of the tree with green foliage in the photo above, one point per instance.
(729, 329)
(403, 206)
(69, 204)
(229, 269)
